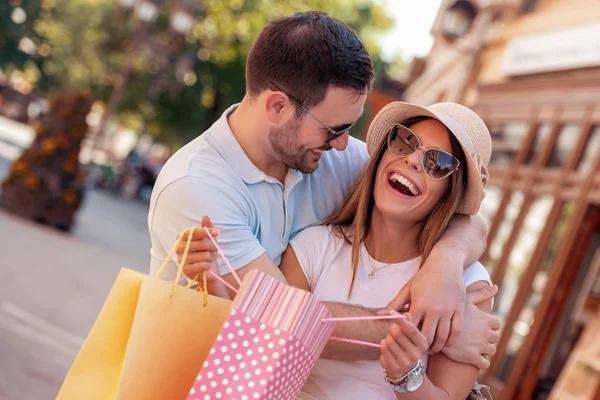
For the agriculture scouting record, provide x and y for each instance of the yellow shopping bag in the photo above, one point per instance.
(149, 341)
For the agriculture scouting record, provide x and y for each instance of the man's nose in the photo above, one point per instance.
(340, 143)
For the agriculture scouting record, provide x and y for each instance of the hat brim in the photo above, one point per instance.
(398, 112)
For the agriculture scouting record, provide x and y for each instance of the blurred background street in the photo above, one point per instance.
(52, 286)
(95, 96)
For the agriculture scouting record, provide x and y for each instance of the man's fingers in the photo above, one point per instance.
(482, 295)
(199, 234)
(193, 270)
(441, 336)
(199, 245)
(456, 326)
(193, 258)
(429, 328)
(495, 324)
(206, 222)
(490, 350)
(401, 299)
(482, 363)
(494, 337)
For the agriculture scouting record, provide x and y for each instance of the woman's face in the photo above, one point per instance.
(392, 196)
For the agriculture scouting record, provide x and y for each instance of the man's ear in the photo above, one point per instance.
(278, 108)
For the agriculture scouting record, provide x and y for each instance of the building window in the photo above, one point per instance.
(458, 19)
(567, 138)
(592, 148)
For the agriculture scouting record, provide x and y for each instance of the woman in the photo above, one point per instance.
(425, 166)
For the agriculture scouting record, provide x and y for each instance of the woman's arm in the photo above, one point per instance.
(290, 267)
(445, 379)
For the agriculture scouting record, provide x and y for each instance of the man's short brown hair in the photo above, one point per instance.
(304, 54)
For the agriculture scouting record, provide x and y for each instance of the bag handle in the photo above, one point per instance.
(203, 288)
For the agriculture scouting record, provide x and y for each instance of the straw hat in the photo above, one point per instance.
(465, 125)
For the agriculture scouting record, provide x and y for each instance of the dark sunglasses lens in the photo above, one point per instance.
(402, 142)
(439, 164)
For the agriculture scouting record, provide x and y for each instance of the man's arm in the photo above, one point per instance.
(437, 292)
(367, 331)
(182, 205)
(201, 256)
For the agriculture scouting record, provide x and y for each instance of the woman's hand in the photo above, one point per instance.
(402, 348)
(201, 257)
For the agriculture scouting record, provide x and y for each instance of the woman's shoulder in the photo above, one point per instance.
(320, 232)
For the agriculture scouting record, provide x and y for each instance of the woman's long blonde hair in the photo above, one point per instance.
(353, 220)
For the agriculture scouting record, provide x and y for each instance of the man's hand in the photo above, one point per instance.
(437, 292)
(437, 297)
(480, 332)
(201, 256)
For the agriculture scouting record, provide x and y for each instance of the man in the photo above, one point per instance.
(266, 170)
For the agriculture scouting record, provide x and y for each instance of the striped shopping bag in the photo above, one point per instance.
(269, 344)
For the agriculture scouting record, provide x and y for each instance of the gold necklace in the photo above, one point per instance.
(373, 269)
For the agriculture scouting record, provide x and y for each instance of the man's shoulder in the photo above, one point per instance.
(198, 160)
(196, 170)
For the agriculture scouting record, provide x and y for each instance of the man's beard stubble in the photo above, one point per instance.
(290, 152)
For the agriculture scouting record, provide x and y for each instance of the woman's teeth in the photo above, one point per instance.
(397, 178)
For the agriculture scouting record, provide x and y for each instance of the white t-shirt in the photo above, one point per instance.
(326, 261)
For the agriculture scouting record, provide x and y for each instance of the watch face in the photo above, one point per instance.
(414, 382)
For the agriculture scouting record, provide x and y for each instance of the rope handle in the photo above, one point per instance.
(235, 275)
(204, 288)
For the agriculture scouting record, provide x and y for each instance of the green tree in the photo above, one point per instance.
(221, 41)
(178, 86)
(17, 34)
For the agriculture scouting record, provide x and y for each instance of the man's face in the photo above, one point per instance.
(301, 141)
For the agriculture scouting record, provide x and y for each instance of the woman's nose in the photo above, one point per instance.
(415, 160)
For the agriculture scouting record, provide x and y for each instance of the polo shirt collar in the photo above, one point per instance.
(232, 152)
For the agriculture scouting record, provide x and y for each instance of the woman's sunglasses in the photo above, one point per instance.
(437, 164)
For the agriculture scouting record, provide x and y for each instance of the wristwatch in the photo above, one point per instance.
(410, 382)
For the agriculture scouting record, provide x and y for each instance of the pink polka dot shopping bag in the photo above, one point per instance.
(268, 345)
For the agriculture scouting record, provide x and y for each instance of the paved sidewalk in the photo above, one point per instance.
(52, 286)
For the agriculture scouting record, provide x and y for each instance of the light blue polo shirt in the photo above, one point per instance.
(254, 212)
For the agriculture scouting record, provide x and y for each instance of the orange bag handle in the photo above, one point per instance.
(204, 287)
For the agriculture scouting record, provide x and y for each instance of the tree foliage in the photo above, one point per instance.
(178, 85)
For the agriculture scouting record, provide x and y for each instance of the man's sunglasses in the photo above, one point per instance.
(437, 163)
(333, 134)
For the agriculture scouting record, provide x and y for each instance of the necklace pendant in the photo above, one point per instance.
(370, 274)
